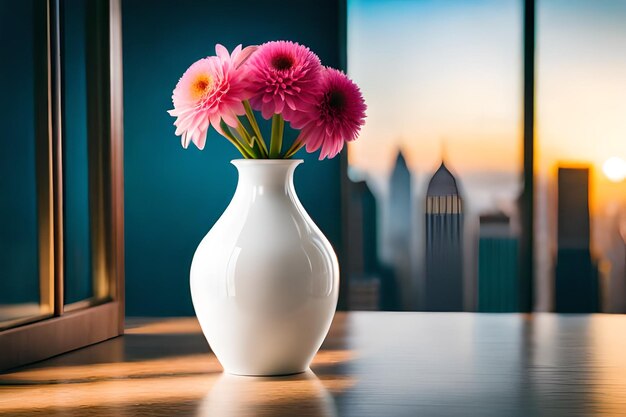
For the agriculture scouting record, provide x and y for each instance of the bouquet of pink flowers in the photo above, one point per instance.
(283, 81)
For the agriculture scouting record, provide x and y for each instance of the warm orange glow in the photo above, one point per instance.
(615, 169)
(609, 377)
(183, 325)
(193, 382)
(167, 366)
(126, 391)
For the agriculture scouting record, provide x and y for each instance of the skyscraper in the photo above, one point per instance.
(576, 280)
(400, 227)
(444, 242)
(362, 229)
(624, 259)
(363, 262)
(498, 265)
(613, 276)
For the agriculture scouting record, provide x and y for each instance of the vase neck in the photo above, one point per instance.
(261, 176)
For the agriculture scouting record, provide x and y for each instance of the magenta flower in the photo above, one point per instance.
(337, 117)
(284, 78)
(211, 89)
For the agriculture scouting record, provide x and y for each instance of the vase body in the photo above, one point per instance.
(265, 280)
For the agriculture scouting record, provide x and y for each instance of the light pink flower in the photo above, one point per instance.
(211, 89)
(337, 118)
(284, 78)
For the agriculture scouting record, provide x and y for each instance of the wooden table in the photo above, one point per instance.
(372, 364)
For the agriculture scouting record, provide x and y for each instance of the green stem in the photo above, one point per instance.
(255, 125)
(238, 146)
(262, 148)
(243, 132)
(247, 147)
(276, 142)
(242, 146)
(295, 147)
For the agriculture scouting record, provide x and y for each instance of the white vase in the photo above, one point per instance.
(265, 280)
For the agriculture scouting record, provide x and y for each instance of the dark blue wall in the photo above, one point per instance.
(173, 196)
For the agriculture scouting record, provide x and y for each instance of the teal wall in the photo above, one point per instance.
(76, 234)
(173, 196)
(19, 260)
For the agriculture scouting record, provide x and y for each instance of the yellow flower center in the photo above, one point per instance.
(201, 86)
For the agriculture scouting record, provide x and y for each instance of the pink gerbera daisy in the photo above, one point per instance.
(284, 78)
(337, 117)
(211, 89)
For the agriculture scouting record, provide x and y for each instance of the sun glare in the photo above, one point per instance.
(615, 169)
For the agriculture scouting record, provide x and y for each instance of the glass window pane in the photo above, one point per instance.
(580, 156)
(77, 237)
(440, 154)
(20, 292)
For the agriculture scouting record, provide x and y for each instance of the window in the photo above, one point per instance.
(62, 239)
(580, 152)
(25, 292)
(437, 172)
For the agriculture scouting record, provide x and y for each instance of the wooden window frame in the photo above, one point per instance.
(70, 327)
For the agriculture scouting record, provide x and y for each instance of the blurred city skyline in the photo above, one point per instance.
(443, 81)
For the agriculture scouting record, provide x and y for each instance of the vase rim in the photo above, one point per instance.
(266, 161)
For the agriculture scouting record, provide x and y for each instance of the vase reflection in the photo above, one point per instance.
(302, 394)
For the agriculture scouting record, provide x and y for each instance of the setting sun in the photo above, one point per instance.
(615, 169)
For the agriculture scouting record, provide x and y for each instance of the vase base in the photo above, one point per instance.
(265, 374)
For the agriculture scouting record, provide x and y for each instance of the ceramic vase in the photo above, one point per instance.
(265, 280)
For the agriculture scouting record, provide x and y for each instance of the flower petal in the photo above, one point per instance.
(222, 52)
(243, 56)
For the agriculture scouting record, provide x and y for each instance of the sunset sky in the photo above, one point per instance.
(581, 89)
(450, 72)
(437, 71)
(446, 76)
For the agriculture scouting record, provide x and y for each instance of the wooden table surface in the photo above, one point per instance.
(372, 364)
